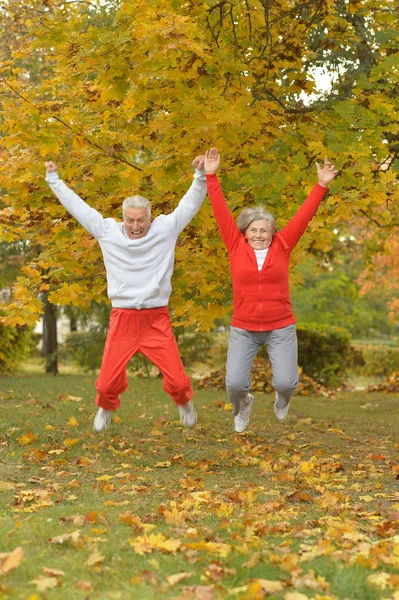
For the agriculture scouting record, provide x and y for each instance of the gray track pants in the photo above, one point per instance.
(282, 348)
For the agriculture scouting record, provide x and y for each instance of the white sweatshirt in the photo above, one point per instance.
(139, 271)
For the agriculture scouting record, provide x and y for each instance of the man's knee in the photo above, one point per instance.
(111, 388)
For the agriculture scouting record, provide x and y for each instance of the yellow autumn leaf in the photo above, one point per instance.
(45, 583)
(154, 541)
(219, 548)
(67, 539)
(174, 516)
(70, 442)
(11, 561)
(163, 465)
(307, 467)
(94, 559)
(6, 485)
(379, 580)
(224, 510)
(53, 572)
(269, 586)
(72, 422)
(173, 579)
(27, 438)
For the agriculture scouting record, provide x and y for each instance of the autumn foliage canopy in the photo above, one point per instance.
(122, 95)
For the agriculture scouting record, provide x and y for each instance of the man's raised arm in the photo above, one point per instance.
(88, 217)
(192, 201)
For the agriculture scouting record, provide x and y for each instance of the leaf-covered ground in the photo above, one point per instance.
(308, 508)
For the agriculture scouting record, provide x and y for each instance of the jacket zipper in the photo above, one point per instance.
(260, 300)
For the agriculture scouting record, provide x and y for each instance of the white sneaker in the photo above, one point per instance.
(188, 414)
(102, 420)
(280, 412)
(242, 419)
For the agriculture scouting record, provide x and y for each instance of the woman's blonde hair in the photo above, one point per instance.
(258, 213)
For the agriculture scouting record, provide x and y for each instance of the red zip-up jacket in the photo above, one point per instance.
(261, 298)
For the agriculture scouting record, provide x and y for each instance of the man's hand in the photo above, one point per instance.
(212, 161)
(326, 174)
(51, 167)
(198, 162)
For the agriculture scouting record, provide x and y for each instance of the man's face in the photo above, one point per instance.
(136, 222)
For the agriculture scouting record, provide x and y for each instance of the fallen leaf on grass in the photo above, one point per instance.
(380, 580)
(199, 592)
(6, 485)
(117, 503)
(74, 398)
(27, 438)
(83, 585)
(163, 465)
(154, 541)
(69, 539)
(174, 516)
(173, 579)
(69, 442)
(258, 588)
(216, 572)
(45, 583)
(72, 422)
(53, 572)
(212, 547)
(312, 581)
(253, 561)
(11, 560)
(94, 559)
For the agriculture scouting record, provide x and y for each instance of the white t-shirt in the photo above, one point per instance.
(260, 257)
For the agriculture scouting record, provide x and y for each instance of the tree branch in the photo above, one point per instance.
(117, 157)
(373, 220)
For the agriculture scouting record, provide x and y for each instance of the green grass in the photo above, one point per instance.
(312, 502)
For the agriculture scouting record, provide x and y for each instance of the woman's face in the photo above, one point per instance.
(259, 234)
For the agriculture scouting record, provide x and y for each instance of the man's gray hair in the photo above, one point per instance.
(258, 213)
(136, 202)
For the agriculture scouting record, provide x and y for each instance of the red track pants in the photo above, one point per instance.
(148, 331)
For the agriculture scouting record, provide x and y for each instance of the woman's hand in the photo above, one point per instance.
(212, 161)
(326, 174)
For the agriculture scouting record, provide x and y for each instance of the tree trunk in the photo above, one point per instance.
(50, 343)
(73, 323)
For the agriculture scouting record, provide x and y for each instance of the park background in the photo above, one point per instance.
(123, 95)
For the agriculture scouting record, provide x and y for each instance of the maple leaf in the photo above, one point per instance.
(212, 547)
(94, 559)
(177, 578)
(380, 580)
(45, 583)
(10, 561)
(68, 539)
(154, 541)
(70, 442)
(27, 438)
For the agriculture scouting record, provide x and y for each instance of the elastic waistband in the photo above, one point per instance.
(140, 310)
